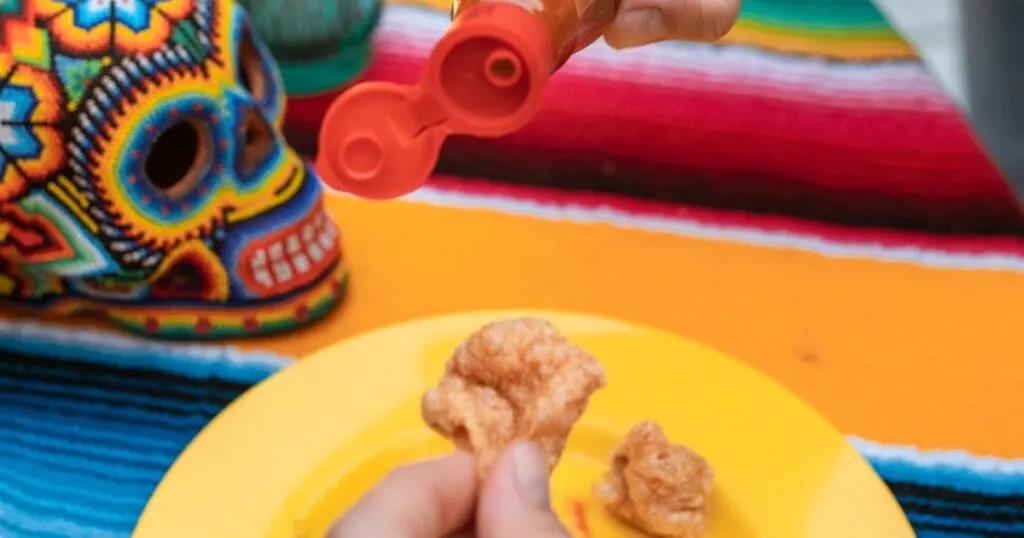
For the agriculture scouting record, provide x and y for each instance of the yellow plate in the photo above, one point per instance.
(294, 452)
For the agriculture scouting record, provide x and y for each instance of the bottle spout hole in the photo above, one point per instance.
(503, 68)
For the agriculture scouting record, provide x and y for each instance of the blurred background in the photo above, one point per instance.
(976, 47)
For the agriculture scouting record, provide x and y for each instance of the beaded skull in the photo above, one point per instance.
(143, 174)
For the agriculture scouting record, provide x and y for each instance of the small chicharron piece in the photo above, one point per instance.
(656, 486)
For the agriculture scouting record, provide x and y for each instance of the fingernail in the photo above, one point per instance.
(531, 467)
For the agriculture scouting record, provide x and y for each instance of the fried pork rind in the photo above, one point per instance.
(511, 380)
(656, 486)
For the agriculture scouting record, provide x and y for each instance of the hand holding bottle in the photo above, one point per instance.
(640, 22)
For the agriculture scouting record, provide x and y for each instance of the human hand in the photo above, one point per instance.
(440, 498)
(640, 22)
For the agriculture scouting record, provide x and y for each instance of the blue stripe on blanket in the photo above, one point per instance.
(90, 423)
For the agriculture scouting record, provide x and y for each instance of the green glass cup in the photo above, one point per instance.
(319, 45)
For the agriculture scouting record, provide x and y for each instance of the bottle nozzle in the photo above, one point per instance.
(503, 68)
(490, 69)
(485, 77)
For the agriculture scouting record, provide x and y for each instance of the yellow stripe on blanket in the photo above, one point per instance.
(854, 47)
(842, 42)
(893, 352)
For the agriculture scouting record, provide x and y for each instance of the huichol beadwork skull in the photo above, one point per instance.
(144, 174)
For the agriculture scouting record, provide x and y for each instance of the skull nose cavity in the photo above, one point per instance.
(186, 279)
(177, 157)
(257, 141)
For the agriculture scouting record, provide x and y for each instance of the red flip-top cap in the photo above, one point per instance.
(485, 77)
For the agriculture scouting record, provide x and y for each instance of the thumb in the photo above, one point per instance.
(640, 22)
(424, 500)
(515, 501)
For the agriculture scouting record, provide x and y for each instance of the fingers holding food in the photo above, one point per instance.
(515, 500)
(511, 380)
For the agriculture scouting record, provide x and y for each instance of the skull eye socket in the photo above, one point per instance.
(176, 160)
(250, 67)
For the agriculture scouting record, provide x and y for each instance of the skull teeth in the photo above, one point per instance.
(295, 255)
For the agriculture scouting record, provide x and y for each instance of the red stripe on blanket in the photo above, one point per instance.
(481, 190)
(709, 129)
(914, 169)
